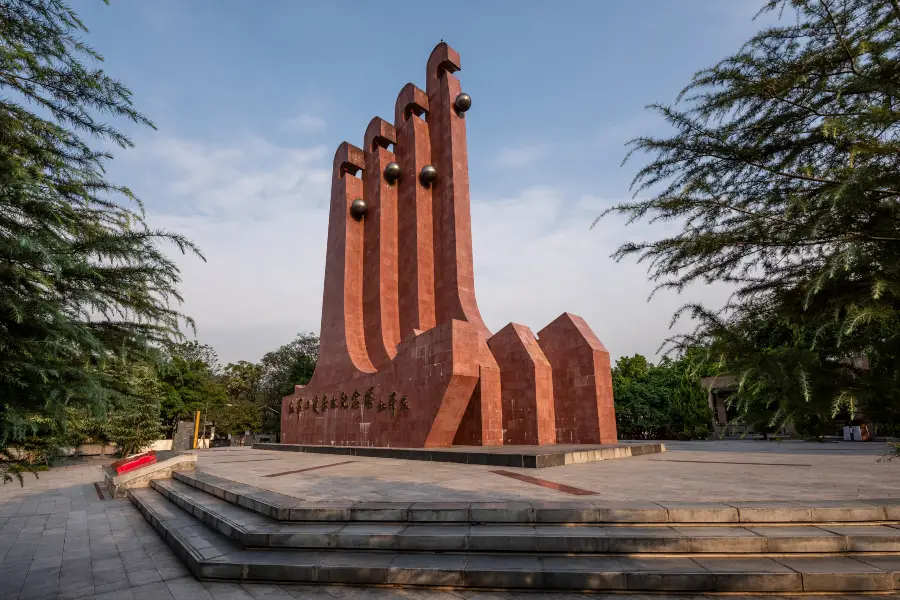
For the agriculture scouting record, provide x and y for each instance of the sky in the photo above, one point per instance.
(250, 100)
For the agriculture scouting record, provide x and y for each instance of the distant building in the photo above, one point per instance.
(719, 389)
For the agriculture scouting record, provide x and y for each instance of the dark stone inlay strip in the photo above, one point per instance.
(560, 487)
(346, 462)
(99, 491)
(729, 462)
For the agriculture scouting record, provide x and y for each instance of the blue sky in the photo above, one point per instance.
(251, 99)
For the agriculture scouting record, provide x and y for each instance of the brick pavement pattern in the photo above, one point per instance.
(405, 358)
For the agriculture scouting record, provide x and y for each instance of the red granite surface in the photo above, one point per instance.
(405, 359)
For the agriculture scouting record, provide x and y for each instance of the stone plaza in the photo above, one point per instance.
(62, 536)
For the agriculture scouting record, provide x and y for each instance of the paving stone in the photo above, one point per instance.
(227, 591)
(574, 572)
(109, 576)
(722, 539)
(700, 512)
(501, 512)
(630, 512)
(434, 537)
(890, 564)
(504, 571)
(439, 512)
(380, 511)
(832, 574)
(137, 578)
(187, 588)
(122, 594)
(800, 539)
(73, 592)
(502, 538)
(565, 512)
(843, 510)
(152, 591)
(368, 536)
(428, 569)
(645, 539)
(735, 574)
(868, 538)
(266, 592)
(308, 592)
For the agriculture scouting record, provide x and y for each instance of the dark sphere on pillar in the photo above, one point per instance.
(428, 174)
(358, 209)
(392, 172)
(463, 102)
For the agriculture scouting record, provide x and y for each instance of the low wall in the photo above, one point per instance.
(105, 449)
(167, 461)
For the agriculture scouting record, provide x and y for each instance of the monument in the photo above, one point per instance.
(405, 359)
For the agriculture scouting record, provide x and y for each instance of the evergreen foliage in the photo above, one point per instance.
(134, 417)
(244, 408)
(84, 283)
(662, 401)
(191, 382)
(784, 175)
(289, 365)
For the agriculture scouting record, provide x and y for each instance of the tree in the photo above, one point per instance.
(660, 401)
(83, 280)
(134, 418)
(244, 408)
(243, 380)
(289, 365)
(237, 416)
(190, 382)
(784, 174)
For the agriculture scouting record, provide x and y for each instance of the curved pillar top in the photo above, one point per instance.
(379, 133)
(348, 159)
(443, 59)
(410, 100)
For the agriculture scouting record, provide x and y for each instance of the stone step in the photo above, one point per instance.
(252, 530)
(212, 556)
(286, 508)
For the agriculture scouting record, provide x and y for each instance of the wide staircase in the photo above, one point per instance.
(224, 530)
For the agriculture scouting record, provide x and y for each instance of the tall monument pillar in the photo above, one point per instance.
(405, 358)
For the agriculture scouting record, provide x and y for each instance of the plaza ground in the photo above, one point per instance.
(60, 540)
(688, 471)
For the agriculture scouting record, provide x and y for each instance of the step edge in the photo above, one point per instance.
(527, 512)
(258, 538)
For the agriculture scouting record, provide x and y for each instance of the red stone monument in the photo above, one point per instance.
(405, 359)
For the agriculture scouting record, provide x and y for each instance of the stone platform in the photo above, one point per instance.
(705, 517)
(523, 457)
(228, 531)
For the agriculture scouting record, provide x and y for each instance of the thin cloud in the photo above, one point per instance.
(520, 156)
(304, 124)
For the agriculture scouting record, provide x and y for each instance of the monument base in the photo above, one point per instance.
(527, 457)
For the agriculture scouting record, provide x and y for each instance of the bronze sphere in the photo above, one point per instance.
(427, 175)
(392, 172)
(358, 209)
(463, 102)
